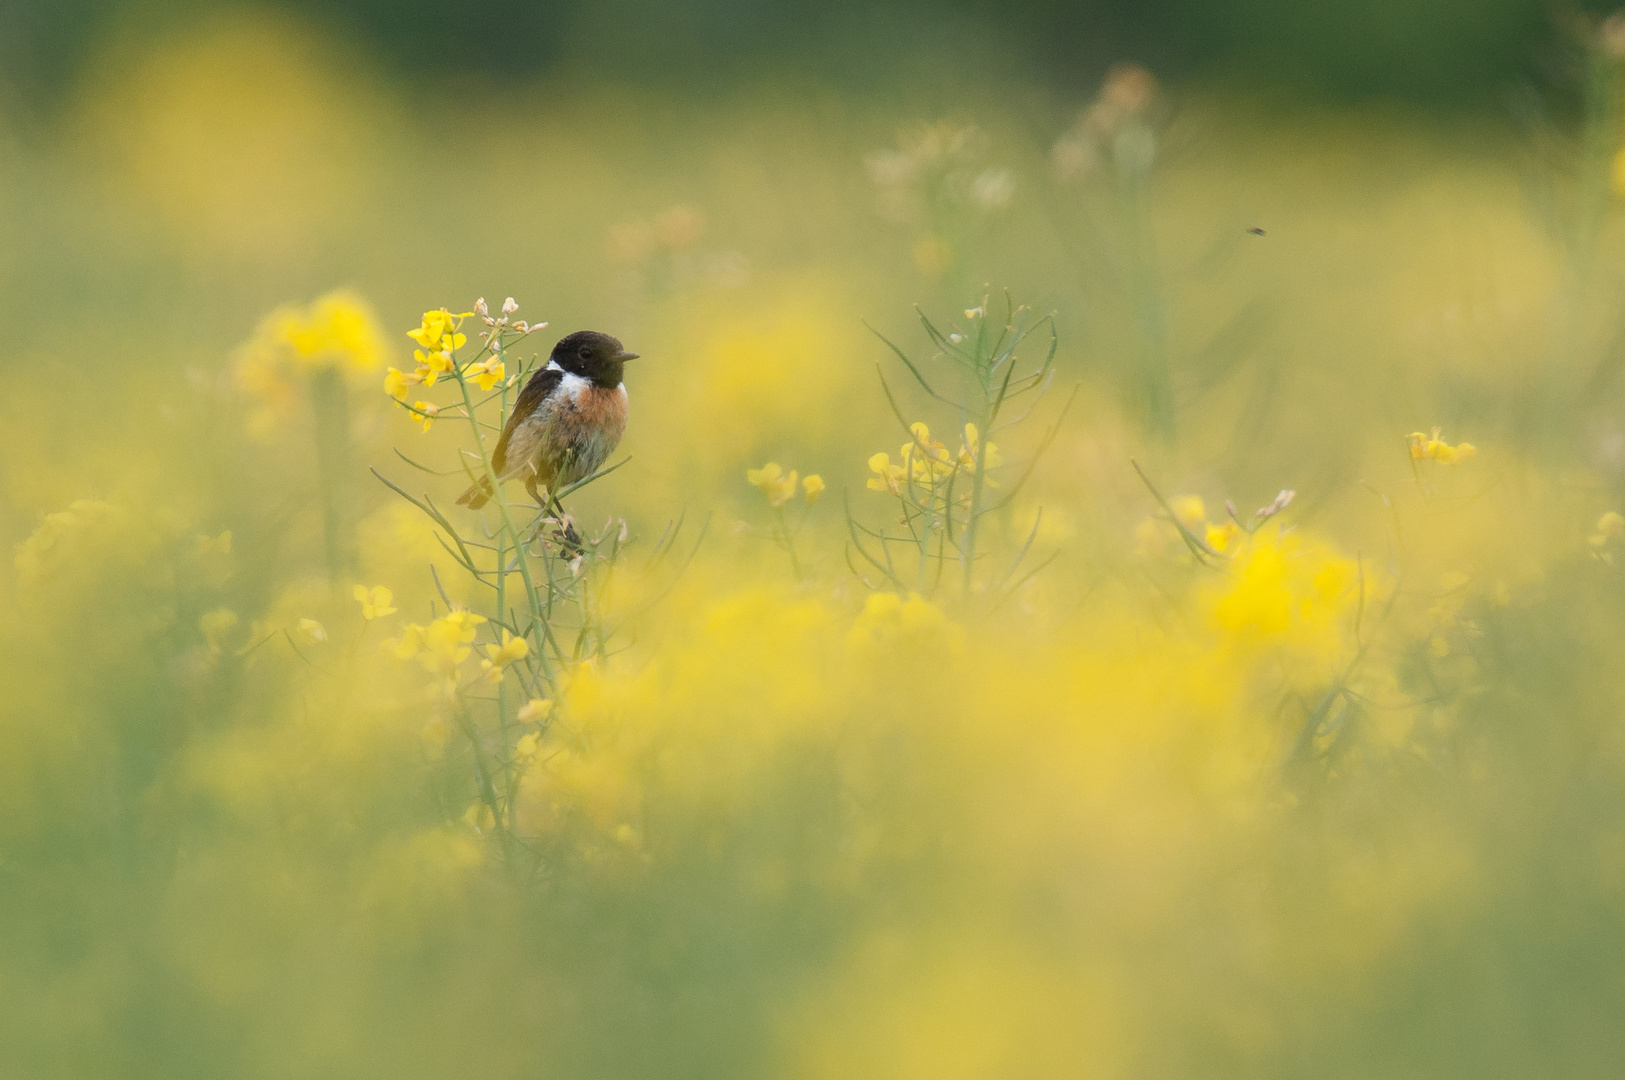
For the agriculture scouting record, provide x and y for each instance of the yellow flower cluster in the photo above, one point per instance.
(1431, 447)
(927, 463)
(337, 331)
(889, 619)
(442, 646)
(779, 487)
(438, 338)
(1292, 595)
(1191, 512)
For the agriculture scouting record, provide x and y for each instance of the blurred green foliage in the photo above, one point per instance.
(1441, 51)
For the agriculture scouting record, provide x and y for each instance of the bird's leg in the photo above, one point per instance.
(567, 535)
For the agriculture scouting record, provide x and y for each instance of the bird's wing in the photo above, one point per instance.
(541, 384)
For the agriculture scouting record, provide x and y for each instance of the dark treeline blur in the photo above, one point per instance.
(1445, 52)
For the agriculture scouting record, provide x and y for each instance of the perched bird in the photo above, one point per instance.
(568, 418)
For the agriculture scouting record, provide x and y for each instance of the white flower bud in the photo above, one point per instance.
(509, 306)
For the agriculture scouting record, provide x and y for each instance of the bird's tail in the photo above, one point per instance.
(476, 496)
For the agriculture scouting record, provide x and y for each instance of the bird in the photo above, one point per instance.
(569, 418)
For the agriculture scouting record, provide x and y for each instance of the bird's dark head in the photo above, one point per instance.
(592, 355)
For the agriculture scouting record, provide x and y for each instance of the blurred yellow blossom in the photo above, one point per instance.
(968, 451)
(1190, 511)
(888, 619)
(312, 632)
(500, 656)
(1431, 447)
(925, 460)
(1220, 537)
(335, 331)
(1610, 528)
(888, 477)
(535, 711)
(375, 602)
(527, 746)
(443, 645)
(398, 382)
(337, 328)
(777, 486)
(407, 645)
(814, 486)
(1289, 593)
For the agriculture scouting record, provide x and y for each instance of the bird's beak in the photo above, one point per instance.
(623, 356)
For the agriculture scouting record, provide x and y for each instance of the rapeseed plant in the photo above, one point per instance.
(1133, 785)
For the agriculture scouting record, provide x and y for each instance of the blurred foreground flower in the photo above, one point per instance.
(375, 602)
(1432, 448)
(535, 711)
(336, 332)
(778, 488)
(774, 484)
(1609, 532)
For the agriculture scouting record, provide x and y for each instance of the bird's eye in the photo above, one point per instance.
(586, 352)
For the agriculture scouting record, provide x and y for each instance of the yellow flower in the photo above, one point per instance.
(312, 632)
(888, 477)
(526, 747)
(439, 330)
(774, 484)
(968, 450)
(535, 711)
(1617, 173)
(407, 645)
(500, 656)
(1611, 526)
(375, 602)
(1220, 537)
(925, 460)
(814, 486)
(487, 373)
(1189, 511)
(1432, 448)
(336, 327)
(424, 412)
(397, 381)
(445, 643)
(432, 365)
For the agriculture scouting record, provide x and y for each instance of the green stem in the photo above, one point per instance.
(507, 519)
(789, 543)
